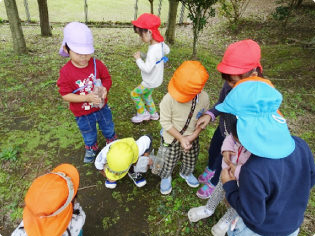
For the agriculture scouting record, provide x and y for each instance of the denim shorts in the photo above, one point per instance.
(242, 230)
(87, 125)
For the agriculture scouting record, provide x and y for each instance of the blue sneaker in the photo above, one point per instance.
(166, 185)
(90, 155)
(110, 185)
(191, 180)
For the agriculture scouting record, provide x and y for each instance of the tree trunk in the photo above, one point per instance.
(172, 12)
(136, 10)
(44, 18)
(19, 45)
(196, 34)
(151, 6)
(86, 11)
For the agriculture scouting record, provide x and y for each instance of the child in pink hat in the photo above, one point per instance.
(77, 83)
(152, 67)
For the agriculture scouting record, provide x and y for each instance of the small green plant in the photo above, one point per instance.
(9, 154)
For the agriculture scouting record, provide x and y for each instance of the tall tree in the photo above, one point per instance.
(199, 13)
(19, 45)
(151, 6)
(44, 18)
(171, 25)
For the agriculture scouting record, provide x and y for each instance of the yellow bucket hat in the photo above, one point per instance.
(121, 155)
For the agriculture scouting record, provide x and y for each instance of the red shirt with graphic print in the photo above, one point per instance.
(72, 78)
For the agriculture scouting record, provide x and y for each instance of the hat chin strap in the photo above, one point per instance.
(70, 193)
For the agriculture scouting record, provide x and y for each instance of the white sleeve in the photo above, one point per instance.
(19, 231)
(166, 48)
(149, 63)
(77, 221)
(100, 159)
(143, 144)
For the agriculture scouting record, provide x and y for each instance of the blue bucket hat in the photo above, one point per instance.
(260, 128)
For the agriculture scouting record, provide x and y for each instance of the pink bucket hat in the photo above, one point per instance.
(78, 37)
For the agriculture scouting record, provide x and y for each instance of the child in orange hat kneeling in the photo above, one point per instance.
(50, 207)
(180, 109)
(152, 67)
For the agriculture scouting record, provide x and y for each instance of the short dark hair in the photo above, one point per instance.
(139, 30)
(67, 48)
(227, 77)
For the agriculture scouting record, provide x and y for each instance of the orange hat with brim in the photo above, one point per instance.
(188, 81)
(48, 208)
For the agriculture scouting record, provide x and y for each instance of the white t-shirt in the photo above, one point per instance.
(152, 73)
(143, 144)
(75, 225)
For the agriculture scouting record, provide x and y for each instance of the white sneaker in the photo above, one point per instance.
(141, 117)
(220, 228)
(110, 185)
(155, 116)
(197, 213)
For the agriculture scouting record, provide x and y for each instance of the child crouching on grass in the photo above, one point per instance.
(77, 83)
(180, 109)
(125, 156)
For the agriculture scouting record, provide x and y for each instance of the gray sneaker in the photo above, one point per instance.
(90, 155)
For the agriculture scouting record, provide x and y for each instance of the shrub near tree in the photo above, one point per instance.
(199, 12)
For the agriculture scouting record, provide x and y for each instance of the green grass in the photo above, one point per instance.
(38, 131)
(98, 10)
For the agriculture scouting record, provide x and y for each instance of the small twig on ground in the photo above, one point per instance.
(86, 187)
(161, 220)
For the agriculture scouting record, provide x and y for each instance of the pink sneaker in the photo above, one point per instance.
(154, 116)
(205, 191)
(206, 176)
(140, 117)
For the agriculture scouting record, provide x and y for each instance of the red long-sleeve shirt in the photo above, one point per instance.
(71, 78)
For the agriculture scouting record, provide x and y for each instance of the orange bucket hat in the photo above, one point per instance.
(48, 209)
(188, 81)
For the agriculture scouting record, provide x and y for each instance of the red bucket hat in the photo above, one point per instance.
(240, 57)
(150, 22)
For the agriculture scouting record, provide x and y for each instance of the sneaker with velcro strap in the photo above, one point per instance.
(137, 178)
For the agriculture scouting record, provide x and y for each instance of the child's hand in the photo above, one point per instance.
(93, 98)
(185, 143)
(150, 163)
(227, 156)
(137, 55)
(203, 121)
(104, 92)
(191, 138)
(233, 167)
(226, 175)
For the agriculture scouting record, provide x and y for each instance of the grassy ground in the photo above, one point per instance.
(98, 10)
(38, 131)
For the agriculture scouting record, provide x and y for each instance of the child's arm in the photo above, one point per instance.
(195, 134)
(227, 149)
(149, 63)
(70, 97)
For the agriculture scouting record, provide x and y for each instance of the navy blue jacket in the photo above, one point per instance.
(273, 193)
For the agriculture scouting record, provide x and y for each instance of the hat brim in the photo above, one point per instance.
(55, 225)
(265, 136)
(112, 176)
(227, 69)
(177, 95)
